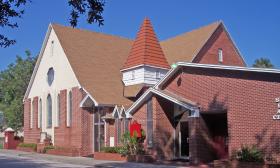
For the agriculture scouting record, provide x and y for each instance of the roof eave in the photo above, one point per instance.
(38, 62)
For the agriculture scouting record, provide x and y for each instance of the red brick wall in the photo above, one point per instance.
(31, 135)
(79, 134)
(62, 133)
(163, 128)
(26, 124)
(110, 131)
(209, 53)
(248, 98)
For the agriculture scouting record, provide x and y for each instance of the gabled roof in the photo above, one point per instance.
(190, 105)
(146, 49)
(96, 60)
(186, 46)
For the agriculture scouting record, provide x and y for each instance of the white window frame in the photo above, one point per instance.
(157, 74)
(220, 55)
(133, 74)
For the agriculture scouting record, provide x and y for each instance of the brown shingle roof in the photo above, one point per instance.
(132, 90)
(184, 47)
(97, 58)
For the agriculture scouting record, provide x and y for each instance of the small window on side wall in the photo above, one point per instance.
(220, 55)
(157, 75)
(133, 75)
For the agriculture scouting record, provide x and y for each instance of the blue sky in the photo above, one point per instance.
(253, 25)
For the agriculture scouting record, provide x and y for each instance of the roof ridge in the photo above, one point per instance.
(90, 31)
(199, 28)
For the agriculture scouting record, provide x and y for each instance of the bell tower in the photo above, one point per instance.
(146, 63)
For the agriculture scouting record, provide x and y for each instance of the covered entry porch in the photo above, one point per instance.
(179, 129)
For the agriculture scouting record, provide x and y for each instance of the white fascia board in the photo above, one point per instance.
(50, 28)
(88, 96)
(38, 62)
(116, 110)
(93, 100)
(212, 66)
(174, 100)
(149, 93)
(144, 65)
(226, 67)
(122, 111)
(166, 77)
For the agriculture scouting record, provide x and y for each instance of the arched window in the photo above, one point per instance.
(49, 111)
(58, 111)
(40, 114)
(70, 109)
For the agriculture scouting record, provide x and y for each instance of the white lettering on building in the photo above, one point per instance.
(277, 115)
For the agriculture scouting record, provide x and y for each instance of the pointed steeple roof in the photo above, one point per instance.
(146, 49)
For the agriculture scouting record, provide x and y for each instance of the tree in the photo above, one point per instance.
(12, 9)
(263, 63)
(13, 84)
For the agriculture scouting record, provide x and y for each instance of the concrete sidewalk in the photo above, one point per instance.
(83, 161)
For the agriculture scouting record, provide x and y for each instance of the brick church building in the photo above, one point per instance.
(193, 94)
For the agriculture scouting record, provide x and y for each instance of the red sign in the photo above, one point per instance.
(135, 128)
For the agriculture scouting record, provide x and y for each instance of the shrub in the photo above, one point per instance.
(116, 149)
(1, 146)
(46, 148)
(133, 145)
(249, 154)
(28, 145)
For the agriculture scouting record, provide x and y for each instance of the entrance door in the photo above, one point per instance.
(184, 139)
(98, 138)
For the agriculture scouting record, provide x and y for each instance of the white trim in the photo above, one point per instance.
(213, 66)
(96, 104)
(50, 28)
(116, 110)
(144, 66)
(86, 97)
(168, 74)
(151, 91)
(227, 67)
(122, 110)
(38, 62)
